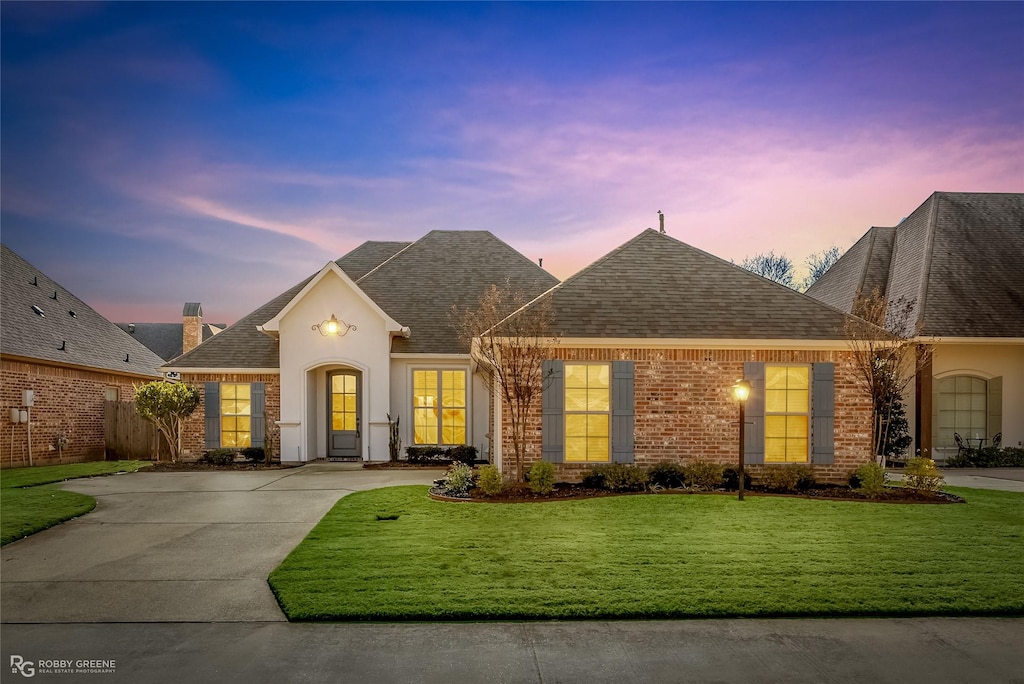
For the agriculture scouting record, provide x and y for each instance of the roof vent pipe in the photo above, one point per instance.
(540, 262)
(661, 220)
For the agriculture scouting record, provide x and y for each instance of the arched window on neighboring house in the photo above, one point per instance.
(968, 405)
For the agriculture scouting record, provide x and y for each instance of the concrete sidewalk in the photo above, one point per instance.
(933, 650)
(176, 547)
(1004, 479)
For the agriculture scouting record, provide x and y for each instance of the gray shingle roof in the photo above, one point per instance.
(419, 285)
(369, 256)
(164, 339)
(655, 286)
(415, 283)
(959, 256)
(89, 339)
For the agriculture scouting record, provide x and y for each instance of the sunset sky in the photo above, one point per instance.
(154, 154)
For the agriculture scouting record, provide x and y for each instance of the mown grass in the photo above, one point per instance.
(654, 557)
(29, 502)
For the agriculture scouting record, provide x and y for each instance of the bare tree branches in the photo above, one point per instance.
(819, 262)
(510, 342)
(778, 268)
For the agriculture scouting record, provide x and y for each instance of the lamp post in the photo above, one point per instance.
(741, 390)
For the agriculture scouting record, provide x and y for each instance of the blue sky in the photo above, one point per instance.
(159, 153)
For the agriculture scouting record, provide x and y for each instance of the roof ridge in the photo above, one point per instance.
(408, 245)
(926, 266)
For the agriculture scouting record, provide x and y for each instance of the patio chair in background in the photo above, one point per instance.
(997, 441)
(960, 446)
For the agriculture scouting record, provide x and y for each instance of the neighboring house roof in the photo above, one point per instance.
(415, 283)
(419, 285)
(88, 339)
(958, 257)
(655, 286)
(165, 339)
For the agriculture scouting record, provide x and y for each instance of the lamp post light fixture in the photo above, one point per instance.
(332, 327)
(741, 391)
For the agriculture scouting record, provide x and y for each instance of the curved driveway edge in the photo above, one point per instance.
(176, 547)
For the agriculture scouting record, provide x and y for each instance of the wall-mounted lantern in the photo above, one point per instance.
(332, 327)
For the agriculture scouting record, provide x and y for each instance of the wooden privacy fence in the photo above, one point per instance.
(129, 436)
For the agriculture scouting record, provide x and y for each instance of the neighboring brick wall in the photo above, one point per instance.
(194, 432)
(67, 400)
(685, 410)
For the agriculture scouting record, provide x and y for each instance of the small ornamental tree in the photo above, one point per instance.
(167, 405)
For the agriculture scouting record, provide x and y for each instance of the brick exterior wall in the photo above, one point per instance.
(191, 333)
(67, 400)
(194, 431)
(684, 410)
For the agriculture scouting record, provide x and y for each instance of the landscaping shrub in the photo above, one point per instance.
(457, 480)
(219, 457)
(668, 475)
(541, 477)
(731, 478)
(424, 455)
(490, 481)
(616, 477)
(922, 475)
(871, 479)
(787, 478)
(989, 457)
(703, 475)
(254, 454)
(464, 453)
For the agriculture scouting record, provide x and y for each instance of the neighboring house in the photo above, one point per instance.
(171, 340)
(652, 338)
(654, 335)
(70, 357)
(959, 258)
(367, 336)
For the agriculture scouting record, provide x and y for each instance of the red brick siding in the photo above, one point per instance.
(68, 400)
(685, 411)
(191, 333)
(194, 432)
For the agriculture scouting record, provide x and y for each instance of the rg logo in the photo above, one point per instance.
(26, 668)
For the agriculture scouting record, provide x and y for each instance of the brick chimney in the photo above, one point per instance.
(192, 326)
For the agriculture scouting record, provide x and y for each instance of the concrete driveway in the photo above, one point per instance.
(176, 547)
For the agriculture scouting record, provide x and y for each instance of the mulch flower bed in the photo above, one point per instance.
(190, 466)
(565, 491)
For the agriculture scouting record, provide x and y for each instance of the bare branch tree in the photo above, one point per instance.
(886, 358)
(510, 342)
(819, 262)
(778, 268)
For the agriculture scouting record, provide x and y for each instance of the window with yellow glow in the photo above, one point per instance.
(343, 401)
(439, 407)
(786, 410)
(235, 415)
(587, 418)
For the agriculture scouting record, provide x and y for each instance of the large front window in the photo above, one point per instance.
(963, 408)
(439, 407)
(235, 414)
(587, 405)
(786, 410)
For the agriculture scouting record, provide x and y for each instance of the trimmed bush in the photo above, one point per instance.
(254, 454)
(464, 453)
(667, 475)
(787, 478)
(731, 478)
(541, 477)
(922, 475)
(616, 477)
(457, 480)
(989, 457)
(219, 457)
(703, 475)
(424, 455)
(871, 479)
(490, 481)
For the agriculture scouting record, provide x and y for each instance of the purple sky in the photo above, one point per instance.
(154, 154)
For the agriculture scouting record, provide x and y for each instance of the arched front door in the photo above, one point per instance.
(344, 408)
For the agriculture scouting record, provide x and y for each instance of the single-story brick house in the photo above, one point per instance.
(656, 333)
(70, 357)
(171, 340)
(959, 260)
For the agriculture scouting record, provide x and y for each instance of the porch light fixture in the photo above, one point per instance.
(332, 327)
(741, 392)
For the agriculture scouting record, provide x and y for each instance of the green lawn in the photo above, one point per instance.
(654, 557)
(30, 503)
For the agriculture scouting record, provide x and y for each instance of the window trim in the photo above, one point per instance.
(809, 413)
(608, 413)
(411, 402)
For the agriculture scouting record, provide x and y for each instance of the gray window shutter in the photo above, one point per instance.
(995, 407)
(258, 420)
(212, 407)
(823, 413)
(553, 411)
(622, 411)
(753, 430)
